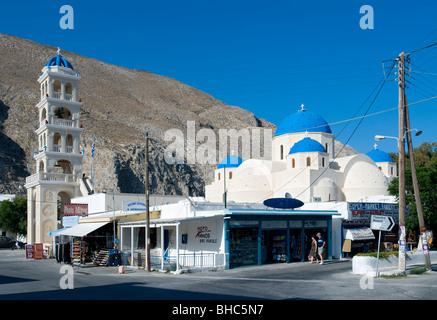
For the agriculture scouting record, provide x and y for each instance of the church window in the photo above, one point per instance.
(219, 175)
(293, 163)
(57, 86)
(308, 161)
(282, 152)
(323, 162)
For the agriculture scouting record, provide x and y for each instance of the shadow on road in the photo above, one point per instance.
(125, 291)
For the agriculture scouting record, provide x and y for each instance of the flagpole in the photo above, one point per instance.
(92, 166)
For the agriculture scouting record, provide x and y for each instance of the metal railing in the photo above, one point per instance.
(53, 177)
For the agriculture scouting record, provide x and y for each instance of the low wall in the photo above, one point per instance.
(364, 265)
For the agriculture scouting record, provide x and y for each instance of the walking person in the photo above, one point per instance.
(320, 246)
(313, 252)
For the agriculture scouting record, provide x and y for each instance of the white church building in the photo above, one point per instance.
(304, 164)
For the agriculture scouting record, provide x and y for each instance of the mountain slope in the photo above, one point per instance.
(120, 106)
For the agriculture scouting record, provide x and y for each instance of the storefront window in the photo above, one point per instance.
(243, 247)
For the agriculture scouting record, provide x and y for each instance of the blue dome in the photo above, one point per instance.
(230, 162)
(302, 121)
(307, 145)
(379, 156)
(59, 61)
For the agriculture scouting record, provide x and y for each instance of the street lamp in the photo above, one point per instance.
(424, 239)
(379, 137)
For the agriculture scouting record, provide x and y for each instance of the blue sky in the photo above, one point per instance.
(268, 57)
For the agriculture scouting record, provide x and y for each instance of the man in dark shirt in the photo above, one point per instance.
(320, 246)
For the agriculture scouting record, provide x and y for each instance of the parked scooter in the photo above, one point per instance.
(18, 245)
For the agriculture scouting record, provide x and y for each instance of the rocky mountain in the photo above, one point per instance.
(120, 106)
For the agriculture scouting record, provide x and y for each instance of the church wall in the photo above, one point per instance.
(288, 140)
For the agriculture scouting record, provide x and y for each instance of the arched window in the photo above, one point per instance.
(68, 88)
(219, 175)
(230, 175)
(282, 152)
(43, 115)
(57, 142)
(57, 88)
(293, 163)
(308, 161)
(323, 162)
(69, 143)
(63, 113)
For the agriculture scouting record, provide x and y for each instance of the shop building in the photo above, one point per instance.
(351, 229)
(199, 234)
(93, 228)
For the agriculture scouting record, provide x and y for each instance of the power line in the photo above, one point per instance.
(426, 47)
(353, 132)
(380, 85)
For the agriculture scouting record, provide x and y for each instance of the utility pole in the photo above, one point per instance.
(401, 145)
(147, 205)
(416, 188)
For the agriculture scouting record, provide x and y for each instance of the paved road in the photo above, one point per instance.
(41, 279)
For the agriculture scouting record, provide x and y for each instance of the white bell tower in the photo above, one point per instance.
(58, 158)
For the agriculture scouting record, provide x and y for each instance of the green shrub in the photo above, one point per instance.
(382, 255)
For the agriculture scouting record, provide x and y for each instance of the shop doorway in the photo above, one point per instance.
(313, 232)
(295, 245)
(274, 246)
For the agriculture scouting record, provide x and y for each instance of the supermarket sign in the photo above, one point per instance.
(364, 210)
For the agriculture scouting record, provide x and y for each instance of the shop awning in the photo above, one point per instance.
(359, 234)
(82, 229)
(55, 233)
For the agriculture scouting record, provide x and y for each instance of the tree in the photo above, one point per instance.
(13, 215)
(426, 168)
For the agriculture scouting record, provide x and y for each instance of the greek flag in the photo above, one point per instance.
(92, 149)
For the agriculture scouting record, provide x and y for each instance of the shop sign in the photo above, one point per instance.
(204, 235)
(76, 209)
(364, 210)
(134, 206)
(70, 221)
(29, 251)
(38, 251)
